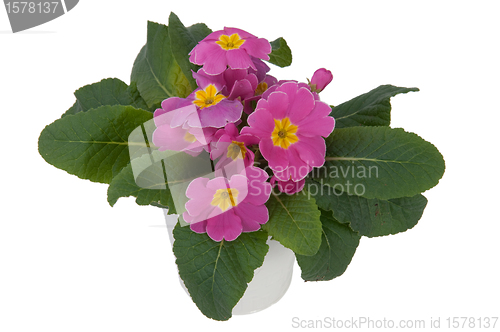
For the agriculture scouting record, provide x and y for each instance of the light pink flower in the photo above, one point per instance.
(290, 124)
(229, 47)
(213, 109)
(170, 135)
(225, 208)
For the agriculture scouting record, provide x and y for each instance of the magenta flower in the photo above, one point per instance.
(232, 149)
(179, 137)
(268, 82)
(229, 47)
(225, 208)
(213, 109)
(290, 123)
(288, 187)
(321, 78)
(233, 83)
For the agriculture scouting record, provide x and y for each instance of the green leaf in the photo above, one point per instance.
(155, 192)
(294, 222)
(281, 55)
(136, 99)
(370, 109)
(156, 71)
(370, 217)
(338, 245)
(110, 91)
(154, 174)
(199, 31)
(94, 144)
(182, 41)
(216, 273)
(380, 162)
(73, 109)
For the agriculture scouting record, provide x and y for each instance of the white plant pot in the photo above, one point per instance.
(270, 281)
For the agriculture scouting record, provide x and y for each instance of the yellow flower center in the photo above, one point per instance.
(230, 42)
(189, 137)
(236, 150)
(283, 134)
(207, 97)
(224, 198)
(261, 88)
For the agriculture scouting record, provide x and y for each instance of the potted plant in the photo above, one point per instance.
(245, 160)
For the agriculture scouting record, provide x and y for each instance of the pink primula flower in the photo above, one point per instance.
(290, 124)
(225, 208)
(170, 135)
(213, 109)
(229, 47)
(231, 147)
(233, 83)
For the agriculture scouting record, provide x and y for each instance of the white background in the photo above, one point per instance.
(70, 262)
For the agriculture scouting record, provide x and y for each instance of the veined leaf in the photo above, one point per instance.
(281, 55)
(380, 162)
(338, 245)
(199, 31)
(156, 71)
(149, 178)
(294, 222)
(369, 109)
(110, 91)
(216, 274)
(182, 41)
(370, 217)
(92, 145)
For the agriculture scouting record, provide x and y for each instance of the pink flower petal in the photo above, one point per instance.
(225, 226)
(239, 59)
(261, 124)
(243, 89)
(181, 115)
(251, 216)
(302, 105)
(278, 104)
(167, 138)
(162, 117)
(219, 115)
(247, 139)
(275, 155)
(232, 75)
(202, 52)
(259, 48)
(317, 127)
(258, 193)
(290, 187)
(290, 88)
(217, 62)
(203, 79)
(312, 150)
(228, 31)
(298, 168)
(217, 183)
(199, 227)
